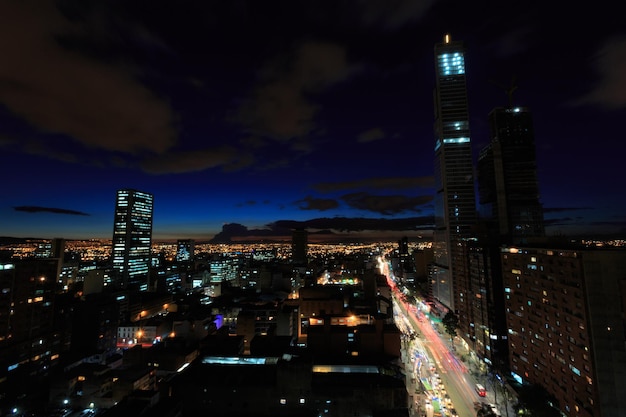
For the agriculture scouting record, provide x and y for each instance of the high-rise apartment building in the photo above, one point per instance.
(507, 178)
(455, 199)
(29, 343)
(132, 239)
(565, 312)
(481, 315)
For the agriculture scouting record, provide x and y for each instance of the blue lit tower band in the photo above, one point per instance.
(455, 199)
(507, 178)
(132, 239)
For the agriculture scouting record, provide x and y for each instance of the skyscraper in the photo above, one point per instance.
(132, 239)
(507, 178)
(185, 250)
(299, 246)
(455, 199)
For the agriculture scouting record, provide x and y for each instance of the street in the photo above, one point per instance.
(438, 381)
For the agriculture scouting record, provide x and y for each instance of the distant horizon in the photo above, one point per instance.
(313, 238)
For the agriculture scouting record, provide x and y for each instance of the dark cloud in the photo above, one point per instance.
(40, 148)
(37, 209)
(234, 231)
(371, 135)
(93, 86)
(278, 110)
(6, 141)
(515, 41)
(325, 225)
(248, 203)
(548, 210)
(388, 14)
(387, 204)
(610, 64)
(321, 204)
(394, 183)
(227, 158)
(280, 106)
(616, 223)
(58, 90)
(562, 221)
(348, 224)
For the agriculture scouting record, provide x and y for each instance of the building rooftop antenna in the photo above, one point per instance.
(507, 90)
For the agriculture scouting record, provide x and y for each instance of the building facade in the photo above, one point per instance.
(482, 321)
(507, 178)
(132, 239)
(299, 246)
(29, 343)
(185, 250)
(565, 314)
(455, 199)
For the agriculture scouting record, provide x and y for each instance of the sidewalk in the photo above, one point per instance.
(411, 383)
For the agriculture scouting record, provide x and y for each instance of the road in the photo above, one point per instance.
(431, 348)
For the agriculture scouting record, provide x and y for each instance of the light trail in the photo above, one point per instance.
(454, 374)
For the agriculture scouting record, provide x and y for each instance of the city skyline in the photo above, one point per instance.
(317, 115)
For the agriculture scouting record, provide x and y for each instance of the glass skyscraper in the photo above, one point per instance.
(132, 239)
(455, 198)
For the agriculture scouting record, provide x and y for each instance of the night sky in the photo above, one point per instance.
(268, 115)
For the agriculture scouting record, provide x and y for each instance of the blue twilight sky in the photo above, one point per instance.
(259, 116)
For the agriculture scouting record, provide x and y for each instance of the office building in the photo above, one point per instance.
(507, 178)
(185, 250)
(54, 248)
(225, 269)
(132, 239)
(299, 246)
(455, 199)
(565, 314)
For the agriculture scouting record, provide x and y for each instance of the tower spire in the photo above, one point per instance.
(507, 90)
